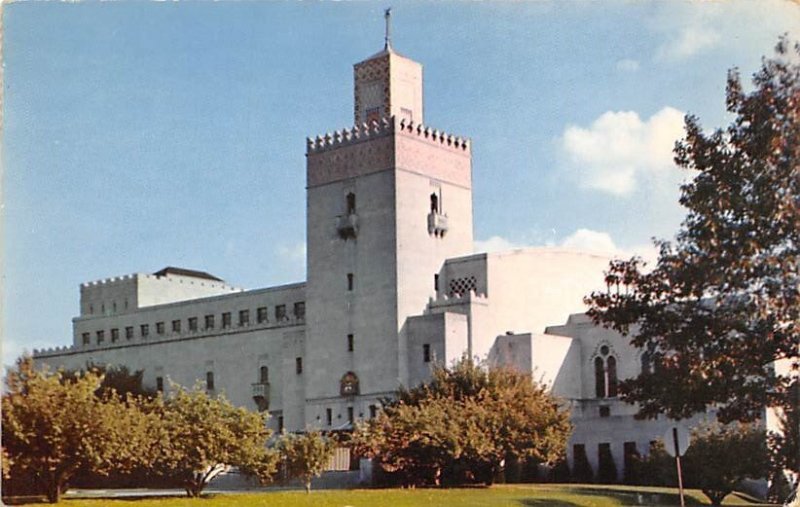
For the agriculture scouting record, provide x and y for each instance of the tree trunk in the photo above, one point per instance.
(308, 486)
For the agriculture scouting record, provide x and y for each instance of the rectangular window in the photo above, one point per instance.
(373, 411)
(244, 317)
(159, 328)
(176, 326)
(261, 314)
(605, 411)
(329, 416)
(300, 310)
(436, 283)
(114, 335)
(280, 423)
(209, 322)
(280, 312)
(101, 336)
(210, 380)
(350, 343)
(129, 333)
(426, 353)
(86, 338)
(350, 416)
(192, 323)
(350, 280)
(298, 365)
(160, 384)
(226, 320)
(144, 330)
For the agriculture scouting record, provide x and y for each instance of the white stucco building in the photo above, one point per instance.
(393, 287)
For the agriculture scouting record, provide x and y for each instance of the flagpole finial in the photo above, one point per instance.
(387, 14)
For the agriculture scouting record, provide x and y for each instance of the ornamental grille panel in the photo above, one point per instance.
(462, 286)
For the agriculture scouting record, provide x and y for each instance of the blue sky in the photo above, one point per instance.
(144, 134)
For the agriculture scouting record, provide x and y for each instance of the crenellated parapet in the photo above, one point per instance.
(108, 281)
(443, 300)
(382, 128)
(53, 351)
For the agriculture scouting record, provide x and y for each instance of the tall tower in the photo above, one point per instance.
(387, 202)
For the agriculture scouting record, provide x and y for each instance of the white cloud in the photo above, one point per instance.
(494, 244)
(694, 38)
(293, 253)
(627, 65)
(618, 147)
(586, 240)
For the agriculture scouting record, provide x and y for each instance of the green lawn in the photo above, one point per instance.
(544, 495)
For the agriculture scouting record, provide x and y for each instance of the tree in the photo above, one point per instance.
(719, 458)
(719, 315)
(196, 437)
(53, 427)
(463, 424)
(306, 454)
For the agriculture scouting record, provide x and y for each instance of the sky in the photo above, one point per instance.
(139, 135)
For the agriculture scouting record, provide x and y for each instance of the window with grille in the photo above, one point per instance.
(462, 286)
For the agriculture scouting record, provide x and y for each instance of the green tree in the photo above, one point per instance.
(196, 437)
(718, 459)
(463, 424)
(719, 315)
(306, 455)
(53, 427)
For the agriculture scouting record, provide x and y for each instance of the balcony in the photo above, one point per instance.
(261, 395)
(437, 224)
(347, 225)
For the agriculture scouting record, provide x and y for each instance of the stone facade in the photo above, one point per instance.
(393, 288)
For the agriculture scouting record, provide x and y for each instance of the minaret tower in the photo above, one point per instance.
(388, 200)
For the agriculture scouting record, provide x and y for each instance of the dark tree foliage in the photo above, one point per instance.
(460, 427)
(721, 309)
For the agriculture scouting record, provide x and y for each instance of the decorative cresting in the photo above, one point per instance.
(349, 384)
(384, 127)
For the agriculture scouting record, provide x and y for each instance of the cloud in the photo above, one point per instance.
(585, 240)
(627, 65)
(696, 37)
(618, 148)
(494, 244)
(293, 253)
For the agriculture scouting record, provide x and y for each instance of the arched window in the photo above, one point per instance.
(351, 203)
(599, 378)
(605, 374)
(611, 375)
(434, 203)
(349, 384)
(263, 375)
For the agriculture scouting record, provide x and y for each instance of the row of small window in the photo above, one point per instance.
(209, 321)
(209, 382)
(373, 412)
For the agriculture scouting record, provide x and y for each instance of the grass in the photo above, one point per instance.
(527, 495)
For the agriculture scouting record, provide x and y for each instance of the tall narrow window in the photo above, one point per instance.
(350, 280)
(176, 326)
(351, 203)
(160, 384)
(261, 314)
(226, 320)
(144, 330)
(350, 343)
(280, 423)
(298, 365)
(329, 416)
(436, 282)
(373, 411)
(611, 372)
(86, 338)
(434, 203)
(209, 321)
(244, 317)
(210, 380)
(426, 353)
(101, 337)
(350, 416)
(114, 335)
(599, 378)
(159, 328)
(263, 375)
(129, 332)
(192, 323)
